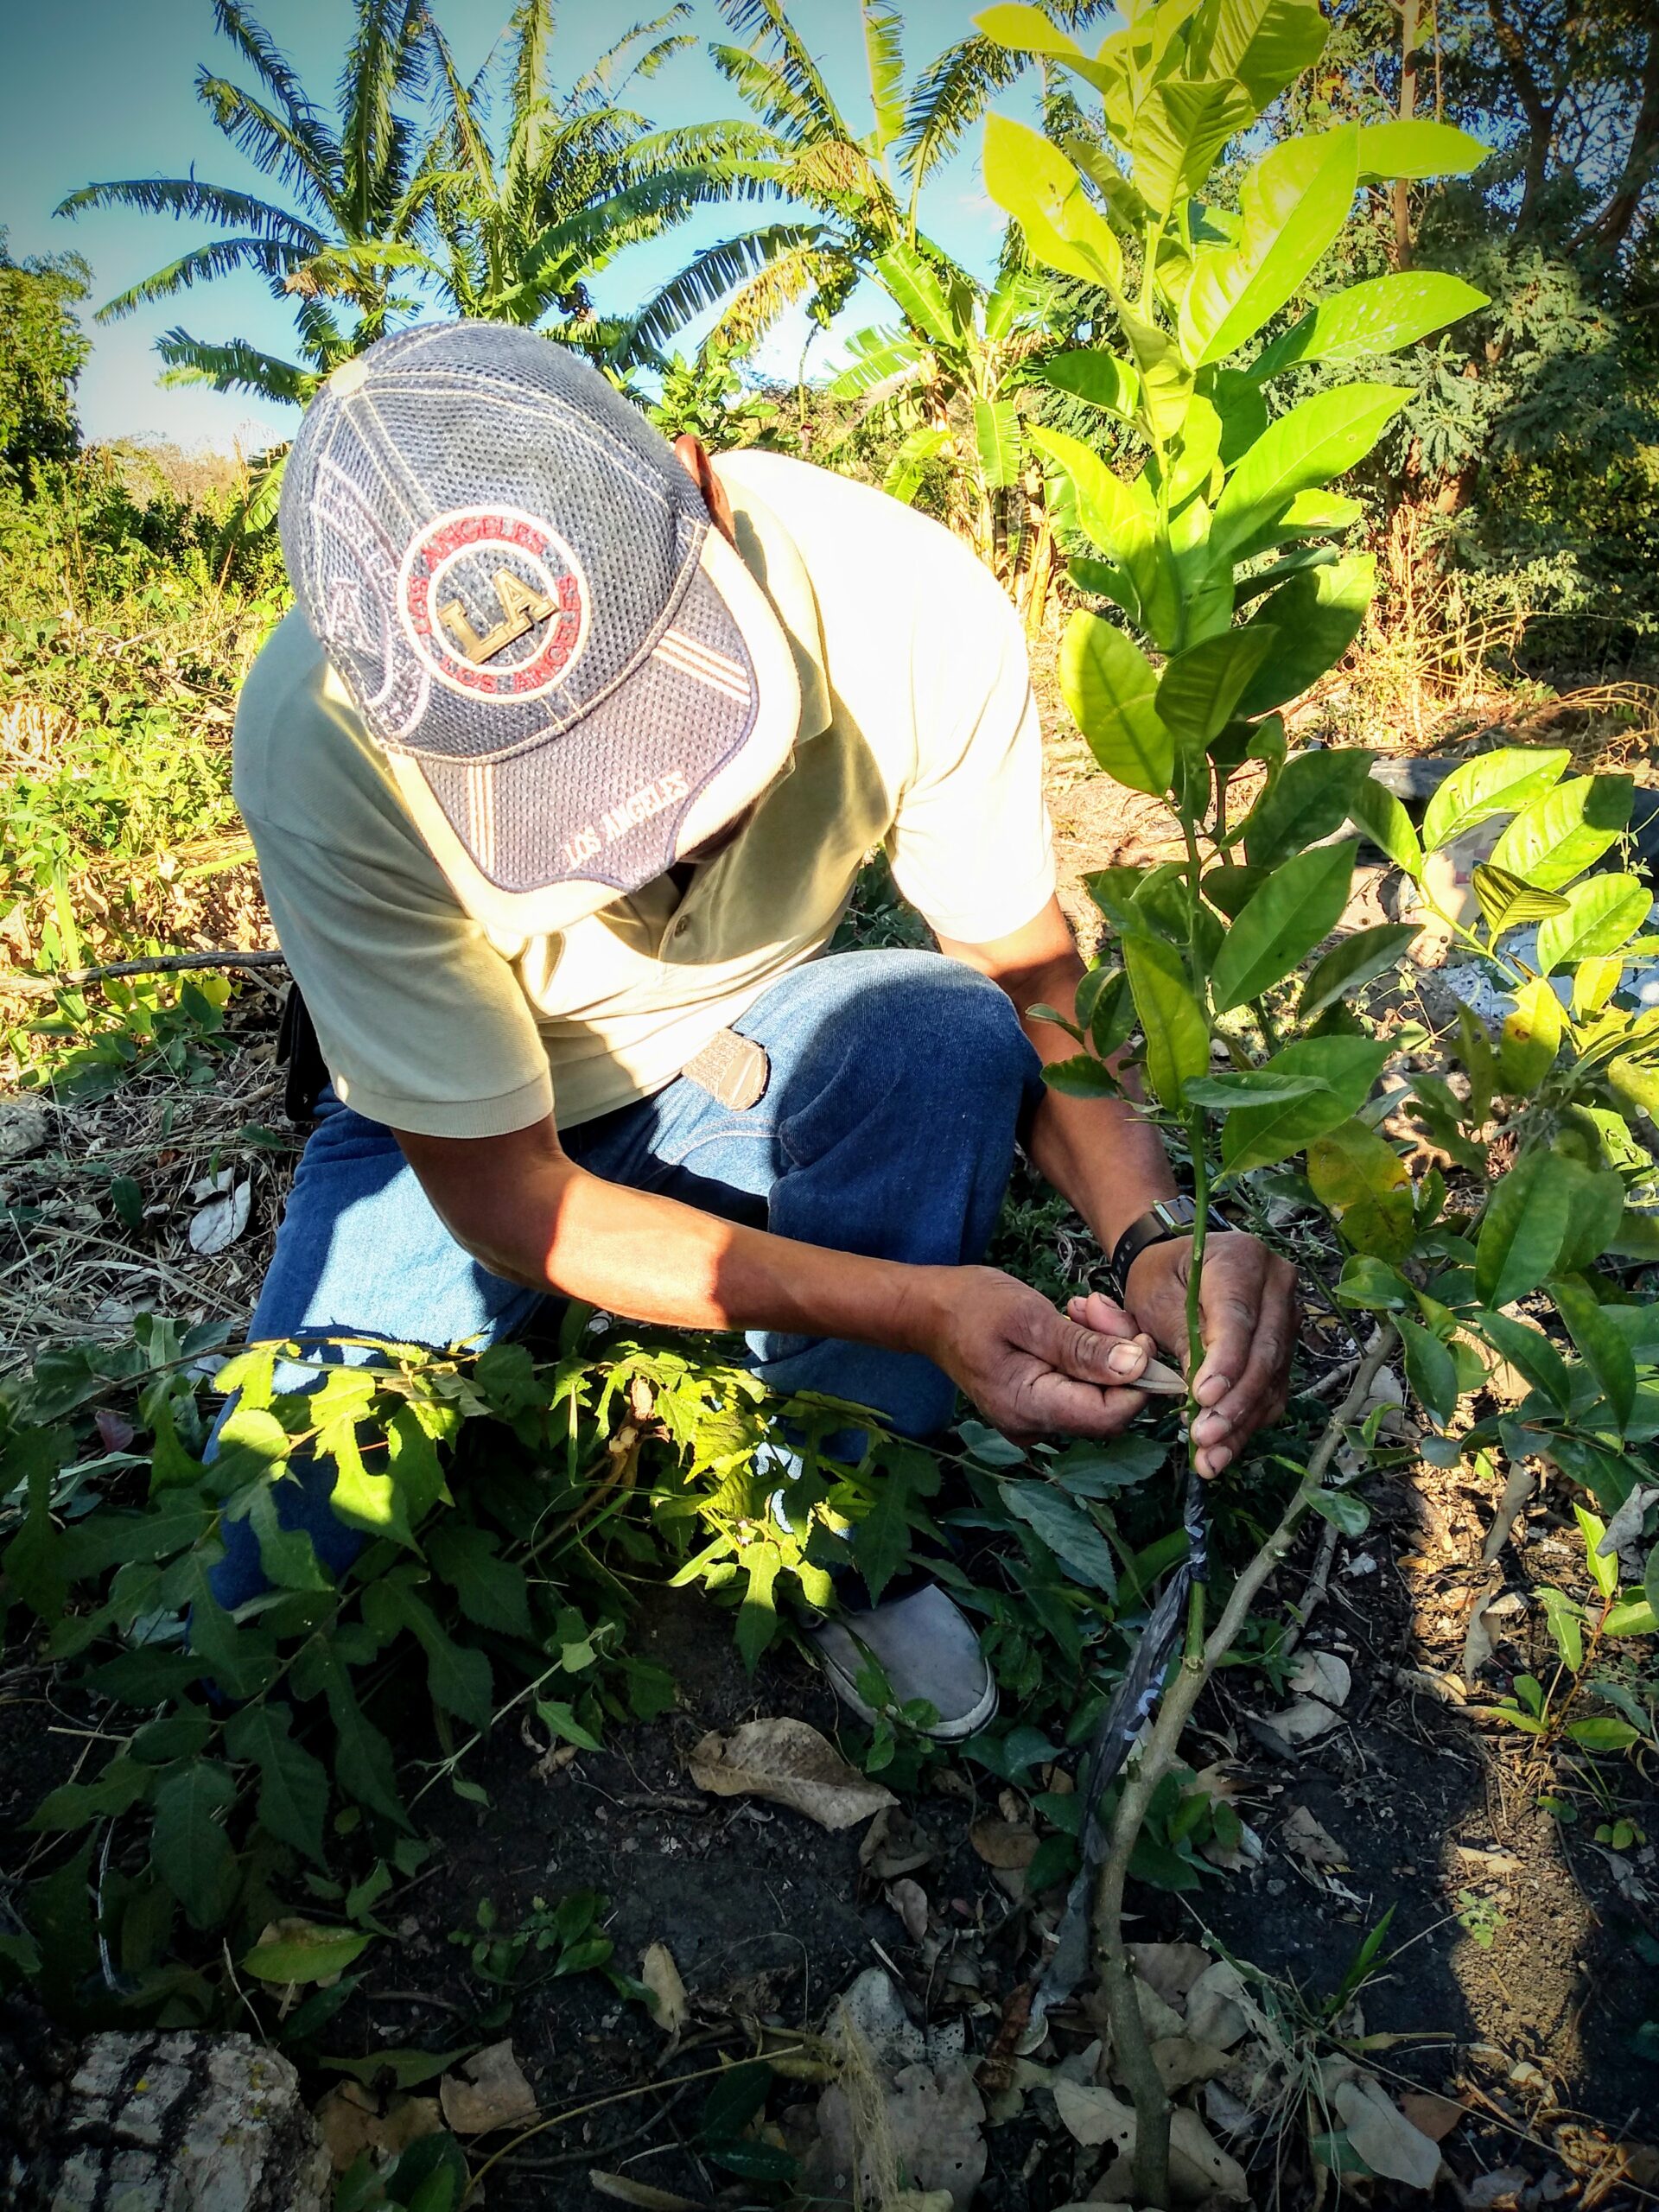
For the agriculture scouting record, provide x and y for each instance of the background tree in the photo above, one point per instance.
(42, 350)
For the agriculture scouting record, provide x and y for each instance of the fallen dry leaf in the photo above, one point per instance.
(1170, 1969)
(893, 1845)
(1303, 1834)
(1218, 2008)
(665, 1991)
(909, 1900)
(1158, 2018)
(351, 2122)
(1009, 1845)
(1383, 2136)
(622, 2191)
(1321, 1681)
(220, 1221)
(1433, 2116)
(1091, 2115)
(1181, 2060)
(792, 1765)
(488, 2092)
(1198, 2167)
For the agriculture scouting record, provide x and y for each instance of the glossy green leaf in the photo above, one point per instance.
(1267, 44)
(1507, 901)
(1317, 614)
(1525, 1223)
(1104, 580)
(879, 357)
(1200, 689)
(1560, 835)
(1099, 378)
(1418, 148)
(1597, 1215)
(1381, 316)
(1319, 438)
(1603, 1564)
(1430, 1369)
(1357, 960)
(188, 1848)
(306, 1952)
(1111, 689)
(1298, 906)
(1081, 1076)
(996, 440)
(1033, 180)
(1310, 514)
(1194, 468)
(1292, 206)
(1492, 783)
(757, 1617)
(1530, 1353)
(1180, 131)
(1365, 1185)
(1602, 1349)
(1225, 1094)
(1177, 1034)
(1106, 1008)
(1349, 1065)
(1122, 520)
(1310, 798)
(919, 292)
(1372, 1285)
(1636, 1084)
(1346, 1513)
(1602, 913)
(293, 1801)
(1065, 1527)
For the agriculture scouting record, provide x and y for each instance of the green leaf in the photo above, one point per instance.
(1081, 1077)
(1310, 514)
(34, 1561)
(921, 298)
(1298, 906)
(1346, 1513)
(1602, 913)
(1310, 798)
(996, 440)
(1177, 1034)
(188, 1849)
(1532, 1037)
(1364, 1185)
(1033, 180)
(1602, 1733)
(293, 1801)
(1349, 1065)
(1122, 520)
(1524, 1224)
(1430, 1369)
(1199, 691)
(1179, 130)
(1111, 690)
(1319, 438)
(1380, 316)
(306, 1952)
(1106, 1008)
(1066, 1528)
(881, 1538)
(1560, 835)
(1603, 1350)
(757, 1617)
(1492, 783)
(1602, 1565)
(1317, 616)
(560, 1721)
(491, 1590)
(1098, 378)
(1292, 206)
(1637, 1084)
(1225, 1094)
(1358, 960)
(1267, 44)
(1530, 1353)
(122, 1785)
(1506, 902)
(288, 1555)
(363, 1761)
(1371, 1284)
(1418, 148)
(459, 1679)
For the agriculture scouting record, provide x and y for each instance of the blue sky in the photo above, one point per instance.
(133, 113)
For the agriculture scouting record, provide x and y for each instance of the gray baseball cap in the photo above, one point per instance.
(574, 678)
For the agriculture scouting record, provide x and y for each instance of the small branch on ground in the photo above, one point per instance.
(157, 964)
(1147, 2091)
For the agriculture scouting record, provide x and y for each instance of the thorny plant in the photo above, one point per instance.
(1204, 504)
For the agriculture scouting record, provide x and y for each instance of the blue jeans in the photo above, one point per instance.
(886, 1127)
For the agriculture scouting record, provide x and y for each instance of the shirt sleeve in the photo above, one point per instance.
(420, 1021)
(971, 845)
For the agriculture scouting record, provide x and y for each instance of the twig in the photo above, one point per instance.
(1145, 2089)
(159, 963)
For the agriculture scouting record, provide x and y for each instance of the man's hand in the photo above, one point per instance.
(1029, 1369)
(1248, 1313)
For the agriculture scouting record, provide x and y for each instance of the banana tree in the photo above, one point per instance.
(947, 378)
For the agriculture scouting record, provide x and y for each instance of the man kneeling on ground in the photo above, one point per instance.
(560, 774)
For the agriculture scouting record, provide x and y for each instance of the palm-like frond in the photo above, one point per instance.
(812, 267)
(769, 92)
(276, 73)
(190, 201)
(199, 266)
(884, 54)
(768, 19)
(618, 66)
(948, 97)
(268, 141)
(235, 366)
(388, 55)
(581, 244)
(709, 275)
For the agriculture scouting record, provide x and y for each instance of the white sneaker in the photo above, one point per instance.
(926, 1648)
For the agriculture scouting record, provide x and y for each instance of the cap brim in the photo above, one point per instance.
(535, 841)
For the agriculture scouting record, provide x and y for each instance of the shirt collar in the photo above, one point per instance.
(774, 559)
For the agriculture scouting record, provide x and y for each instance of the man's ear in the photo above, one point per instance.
(694, 457)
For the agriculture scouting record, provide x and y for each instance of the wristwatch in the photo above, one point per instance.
(1162, 1222)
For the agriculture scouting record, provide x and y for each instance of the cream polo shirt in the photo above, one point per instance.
(918, 733)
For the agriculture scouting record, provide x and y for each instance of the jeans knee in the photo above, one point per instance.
(959, 1039)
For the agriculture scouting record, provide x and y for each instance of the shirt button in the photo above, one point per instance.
(682, 926)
